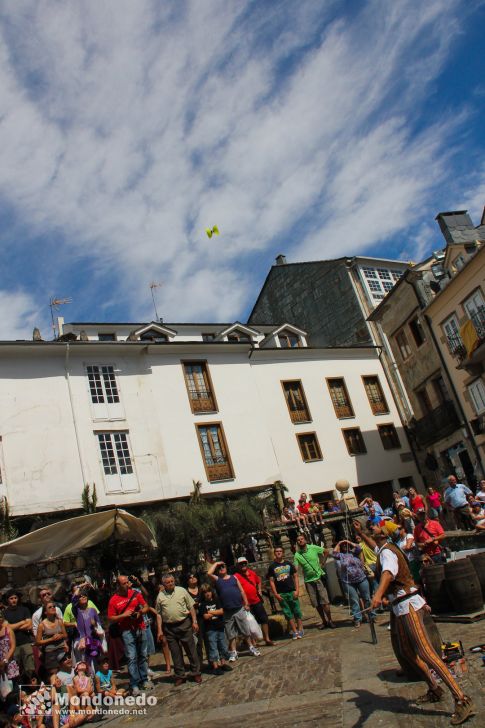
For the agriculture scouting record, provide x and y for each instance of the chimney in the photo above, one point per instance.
(457, 227)
(281, 259)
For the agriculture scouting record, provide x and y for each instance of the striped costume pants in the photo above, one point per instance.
(416, 648)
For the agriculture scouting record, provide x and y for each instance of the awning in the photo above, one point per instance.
(74, 534)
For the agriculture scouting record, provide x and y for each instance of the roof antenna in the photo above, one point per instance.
(152, 288)
(54, 304)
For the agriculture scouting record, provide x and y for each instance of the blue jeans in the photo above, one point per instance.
(135, 642)
(355, 590)
(217, 645)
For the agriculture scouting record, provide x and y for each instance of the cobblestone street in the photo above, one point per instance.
(336, 679)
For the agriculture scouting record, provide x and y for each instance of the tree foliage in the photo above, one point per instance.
(185, 531)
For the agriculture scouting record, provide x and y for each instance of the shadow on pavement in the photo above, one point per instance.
(391, 676)
(368, 703)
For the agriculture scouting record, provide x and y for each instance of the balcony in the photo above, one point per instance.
(201, 400)
(456, 347)
(438, 423)
(299, 413)
(468, 347)
(219, 469)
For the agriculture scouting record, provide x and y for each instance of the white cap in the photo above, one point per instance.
(242, 560)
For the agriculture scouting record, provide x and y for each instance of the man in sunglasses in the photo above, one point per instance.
(45, 595)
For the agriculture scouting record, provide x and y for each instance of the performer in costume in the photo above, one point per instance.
(407, 607)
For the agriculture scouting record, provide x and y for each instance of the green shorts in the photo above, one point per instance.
(290, 606)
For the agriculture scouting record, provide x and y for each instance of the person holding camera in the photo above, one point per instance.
(126, 609)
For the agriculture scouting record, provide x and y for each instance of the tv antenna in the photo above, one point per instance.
(152, 288)
(54, 304)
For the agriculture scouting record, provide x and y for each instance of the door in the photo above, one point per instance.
(467, 466)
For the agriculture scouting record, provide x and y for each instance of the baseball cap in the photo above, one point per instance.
(242, 560)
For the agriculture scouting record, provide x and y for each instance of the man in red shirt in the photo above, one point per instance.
(126, 609)
(251, 584)
(428, 536)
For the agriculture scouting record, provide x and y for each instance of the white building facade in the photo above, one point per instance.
(144, 410)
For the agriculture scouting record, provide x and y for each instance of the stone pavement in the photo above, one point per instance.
(336, 679)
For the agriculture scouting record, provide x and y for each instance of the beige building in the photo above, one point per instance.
(430, 317)
(457, 319)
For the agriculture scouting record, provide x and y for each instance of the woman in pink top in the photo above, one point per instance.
(435, 508)
(416, 501)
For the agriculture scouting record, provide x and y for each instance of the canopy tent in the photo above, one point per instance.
(72, 535)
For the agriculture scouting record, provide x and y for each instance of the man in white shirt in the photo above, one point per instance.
(396, 585)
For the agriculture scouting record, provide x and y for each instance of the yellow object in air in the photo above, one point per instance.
(214, 230)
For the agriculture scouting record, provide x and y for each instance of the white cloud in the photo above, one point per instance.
(18, 315)
(128, 127)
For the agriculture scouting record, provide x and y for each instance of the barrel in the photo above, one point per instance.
(463, 586)
(478, 561)
(410, 669)
(435, 589)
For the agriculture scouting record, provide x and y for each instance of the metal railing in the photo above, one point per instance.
(202, 400)
(438, 423)
(456, 346)
(478, 320)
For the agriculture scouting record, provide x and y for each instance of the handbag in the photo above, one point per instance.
(6, 686)
(254, 628)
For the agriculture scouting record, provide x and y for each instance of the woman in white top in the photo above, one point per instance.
(480, 494)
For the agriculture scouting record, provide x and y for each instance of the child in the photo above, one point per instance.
(105, 683)
(83, 685)
(314, 512)
(212, 615)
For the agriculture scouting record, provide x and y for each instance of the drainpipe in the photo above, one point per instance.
(461, 411)
(73, 413)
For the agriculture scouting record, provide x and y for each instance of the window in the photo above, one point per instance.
(340, 398)
(441, 390)
(104, 392)
(154, 336)
(199, 386)
(375, 395)
(106, 337)
(296, 401)
(288, 340)
(309, 447)
(424, 402)
(452, 333)
(214, 452)
(476, 391)
(403, 344)
(389, 437)
(417, 331)
(354, 441)
(117, 462)
(475, 308)
(380, 280)
(458, 262)
(208, 337)
(237, 336)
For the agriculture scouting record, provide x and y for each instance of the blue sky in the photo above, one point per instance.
(315, 129)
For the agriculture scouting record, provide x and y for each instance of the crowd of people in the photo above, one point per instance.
(72, 647)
